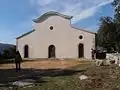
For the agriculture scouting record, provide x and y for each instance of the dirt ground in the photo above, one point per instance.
(62, 75)
(46, 74)
(44, 64)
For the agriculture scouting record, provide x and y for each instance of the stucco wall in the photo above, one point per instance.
(64, 37)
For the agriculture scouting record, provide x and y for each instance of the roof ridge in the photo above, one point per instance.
(43, 16)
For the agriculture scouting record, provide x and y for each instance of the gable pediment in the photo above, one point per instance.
(51, 13)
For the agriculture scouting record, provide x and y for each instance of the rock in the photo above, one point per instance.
(83, 77)
(112, 61)
(99, 62)
(119, 65)
(104, 62)
(22, 83)
(113, 56)
(10, 88)
(107, 62)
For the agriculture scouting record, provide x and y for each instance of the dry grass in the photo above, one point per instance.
(48, 74)
(45, 64)
(49, 77)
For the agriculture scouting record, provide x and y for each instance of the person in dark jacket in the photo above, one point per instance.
(93, 53)
(18, 60)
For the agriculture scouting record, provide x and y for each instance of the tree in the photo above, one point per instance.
(12, 51)
(106, 34)
(9, 53)
(109, 30)
(116, 5)
(6, 53)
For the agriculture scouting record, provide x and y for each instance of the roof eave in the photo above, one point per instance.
(25, 34)
(84, 30)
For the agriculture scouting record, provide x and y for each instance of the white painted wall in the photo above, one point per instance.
(63, 37)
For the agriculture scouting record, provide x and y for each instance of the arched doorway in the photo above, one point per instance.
(51, 51)
(26, 51)
(80, 50)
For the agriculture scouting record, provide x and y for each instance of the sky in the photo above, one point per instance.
(16, 15)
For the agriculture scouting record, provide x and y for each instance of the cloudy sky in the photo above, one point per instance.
(16, 15)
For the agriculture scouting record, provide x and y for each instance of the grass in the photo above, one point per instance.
(68, 80)
(56, 83)
(46, 79)
(100, 78)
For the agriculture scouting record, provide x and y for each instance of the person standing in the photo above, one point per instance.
(18, 60)
(93, 53)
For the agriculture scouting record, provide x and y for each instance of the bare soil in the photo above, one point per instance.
(62, 75)
(43, 64)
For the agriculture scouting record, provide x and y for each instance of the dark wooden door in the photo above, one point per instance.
(51, 51)
(81, 51)
(26, 51)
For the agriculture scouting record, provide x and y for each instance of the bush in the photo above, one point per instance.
(101, 55)
(8, 53)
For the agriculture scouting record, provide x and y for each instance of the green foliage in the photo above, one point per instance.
(9, 53)
(106, 34)
(116, 5)
(6, 53)
(109, 30)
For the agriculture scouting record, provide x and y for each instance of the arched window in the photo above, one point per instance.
(80, 37)
(80, 50)
(51, 51)
(26, 51)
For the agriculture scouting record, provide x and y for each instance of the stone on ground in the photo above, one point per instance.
(99, 62)
(23, 83)
(104, 62)
(113, 56)
(83, 77)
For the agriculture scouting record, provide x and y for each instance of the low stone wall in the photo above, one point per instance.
(102, 62)
(113, 56)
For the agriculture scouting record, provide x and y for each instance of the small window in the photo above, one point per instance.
(80, 37)
(51, 27)
(26, 51)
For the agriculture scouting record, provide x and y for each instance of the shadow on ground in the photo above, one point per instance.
(10, 75)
